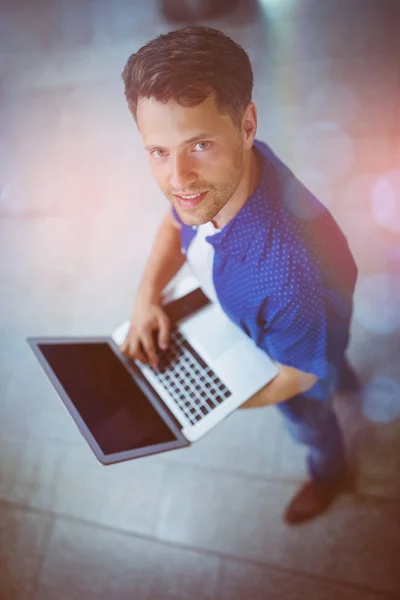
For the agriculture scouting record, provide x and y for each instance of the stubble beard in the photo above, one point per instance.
(215, 200)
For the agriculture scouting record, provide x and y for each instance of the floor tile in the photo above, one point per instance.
(30, 404)
(247, 441)
(247, 581)
(380, 452)
(292, 459)
(36, 477)
(181, 573)
(366, 29)
(123, 495)
(326, 95)
(36, 263)
(378, 487)
(23, 536)
(36, 244)
(85, 561)
(12, 453)
(243, 517)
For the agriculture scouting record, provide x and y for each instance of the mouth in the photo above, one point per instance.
(188, 202)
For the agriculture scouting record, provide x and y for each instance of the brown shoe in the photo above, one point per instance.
(315, 497)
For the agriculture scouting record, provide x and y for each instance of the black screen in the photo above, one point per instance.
(113, 407)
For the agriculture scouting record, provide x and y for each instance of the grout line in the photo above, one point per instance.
(233, 472)
(42, 559)
(335, 583)
(290, 480)
(372, 497)
(286, 481)
(219, 587)
(223, 556)
(159, 511)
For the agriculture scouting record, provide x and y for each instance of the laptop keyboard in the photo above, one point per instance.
(189, 380)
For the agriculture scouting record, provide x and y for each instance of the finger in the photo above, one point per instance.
(136, 351)
(129, 341)
(141, 355)
(148, 344)
(132, 349)
(163, 334)
(125, 348)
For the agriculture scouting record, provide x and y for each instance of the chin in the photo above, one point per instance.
(192, 218)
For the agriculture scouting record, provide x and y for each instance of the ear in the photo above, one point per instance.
(250, 125)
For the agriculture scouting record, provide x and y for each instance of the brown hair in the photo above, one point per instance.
(188, 65)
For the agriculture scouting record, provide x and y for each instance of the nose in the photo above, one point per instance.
(182, 175)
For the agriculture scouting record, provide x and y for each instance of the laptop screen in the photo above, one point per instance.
(109, 401)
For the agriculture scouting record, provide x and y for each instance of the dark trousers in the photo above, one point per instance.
(314, 423)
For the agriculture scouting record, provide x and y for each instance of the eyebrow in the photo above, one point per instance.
(195, 138)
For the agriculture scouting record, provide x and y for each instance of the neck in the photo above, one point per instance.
(249, 185)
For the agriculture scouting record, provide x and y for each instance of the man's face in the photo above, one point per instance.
(212, 163)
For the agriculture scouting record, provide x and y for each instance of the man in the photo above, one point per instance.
(260, 244)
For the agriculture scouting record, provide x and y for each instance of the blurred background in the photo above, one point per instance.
(78, 214)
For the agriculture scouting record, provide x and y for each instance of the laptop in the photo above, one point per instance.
(127, 410)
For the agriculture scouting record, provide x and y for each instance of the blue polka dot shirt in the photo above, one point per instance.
(284, 273)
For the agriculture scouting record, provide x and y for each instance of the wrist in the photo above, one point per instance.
(148, 294)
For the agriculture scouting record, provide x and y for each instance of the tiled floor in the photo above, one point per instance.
(78, 212)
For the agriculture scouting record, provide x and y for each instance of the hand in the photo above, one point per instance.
(149, 325)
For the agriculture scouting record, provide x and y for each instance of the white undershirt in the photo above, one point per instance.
(200, 258)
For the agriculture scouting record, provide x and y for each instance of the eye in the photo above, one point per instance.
(199, 143)
(157, 151)
(163, 155)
